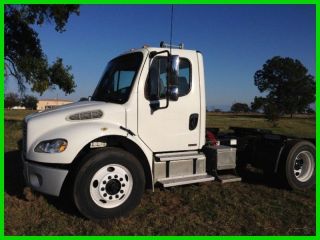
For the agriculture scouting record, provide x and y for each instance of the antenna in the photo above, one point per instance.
(171, 27)
(170, 45)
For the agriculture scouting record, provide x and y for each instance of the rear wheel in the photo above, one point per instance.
(300, 165)
(110, 183)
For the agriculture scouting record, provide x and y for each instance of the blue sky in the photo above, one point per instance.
(235, 40)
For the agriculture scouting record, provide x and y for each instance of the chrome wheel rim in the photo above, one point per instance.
(303, 166)
(111, 185)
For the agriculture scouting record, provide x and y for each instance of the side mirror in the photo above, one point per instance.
(173, 74)
(153, 84)
(173, 71)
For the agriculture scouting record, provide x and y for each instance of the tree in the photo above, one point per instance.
(257, 104)
(30, 102)
(11, 100)
(240, 107)
(310, 111)
(24, 58)
(83, 99)
(272, 111)
(287, 83)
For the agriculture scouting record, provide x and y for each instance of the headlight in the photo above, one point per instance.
(52, 146)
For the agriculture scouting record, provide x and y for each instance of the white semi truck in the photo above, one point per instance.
(145, 125)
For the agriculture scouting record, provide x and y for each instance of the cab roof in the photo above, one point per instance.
(158, 49)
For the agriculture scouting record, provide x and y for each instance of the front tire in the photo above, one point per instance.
(109, 184)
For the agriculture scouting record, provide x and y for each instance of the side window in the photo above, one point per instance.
(158, 70)
(184, 79)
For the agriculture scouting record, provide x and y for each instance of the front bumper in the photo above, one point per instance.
(44, 179)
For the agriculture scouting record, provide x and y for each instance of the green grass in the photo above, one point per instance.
(251, 207)
(16, 114)
(300, 126)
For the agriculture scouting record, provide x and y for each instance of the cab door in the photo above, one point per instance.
(177, 127)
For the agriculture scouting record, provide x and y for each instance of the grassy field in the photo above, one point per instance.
(250, 207)
(300, 126)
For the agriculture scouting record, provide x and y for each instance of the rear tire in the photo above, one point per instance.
(300, 165)
(109, 184)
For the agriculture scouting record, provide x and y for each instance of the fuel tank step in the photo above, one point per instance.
(164, 157)
(227, 178)
(170, 182)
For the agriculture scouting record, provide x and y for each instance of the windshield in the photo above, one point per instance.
(117, 80)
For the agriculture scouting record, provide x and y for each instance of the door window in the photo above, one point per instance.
(158, 71)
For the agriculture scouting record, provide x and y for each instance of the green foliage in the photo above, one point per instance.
(288, 84)
(240, 107)
(257, 104)
(24, 57)
(27, 101)
(11, 100)
(30, 102)
(310, 111)
(272, 112)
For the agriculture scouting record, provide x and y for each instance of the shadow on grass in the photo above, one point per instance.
(258, 178)
(14, 184)
(13, 176)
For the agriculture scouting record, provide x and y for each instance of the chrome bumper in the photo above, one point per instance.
(44, 179)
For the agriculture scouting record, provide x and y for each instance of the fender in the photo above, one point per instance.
(77, 135)
(131, 144)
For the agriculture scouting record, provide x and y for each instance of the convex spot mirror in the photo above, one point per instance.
(173, 93)
(173, 75)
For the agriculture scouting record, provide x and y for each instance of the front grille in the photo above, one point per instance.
(24, 137)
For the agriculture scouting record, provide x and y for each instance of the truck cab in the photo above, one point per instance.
(143, 126)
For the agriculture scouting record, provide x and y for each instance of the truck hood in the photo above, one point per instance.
(43, 125)
(72, 108)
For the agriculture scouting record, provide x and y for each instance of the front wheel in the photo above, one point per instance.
(301, 165)
(110, 183)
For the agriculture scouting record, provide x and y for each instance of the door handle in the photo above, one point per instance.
(193, 121)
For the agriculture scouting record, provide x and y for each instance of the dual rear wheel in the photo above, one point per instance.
(300, 165)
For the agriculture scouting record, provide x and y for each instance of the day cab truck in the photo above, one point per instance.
(145, 126)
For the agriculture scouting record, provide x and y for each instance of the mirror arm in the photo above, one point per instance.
(156, 105)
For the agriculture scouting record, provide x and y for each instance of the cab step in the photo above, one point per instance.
(170, 182)
(227, 178)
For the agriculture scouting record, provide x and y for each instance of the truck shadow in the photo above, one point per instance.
(14, 184)
(13, 176)
(256, 177)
